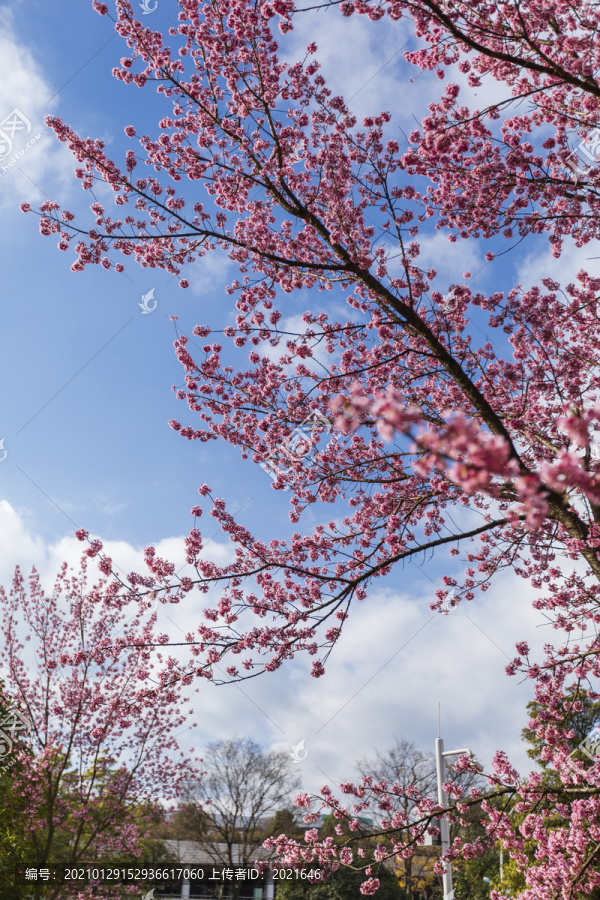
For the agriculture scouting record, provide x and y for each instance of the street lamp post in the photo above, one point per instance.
(440, 755)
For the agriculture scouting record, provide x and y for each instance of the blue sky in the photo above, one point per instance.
(86, 399)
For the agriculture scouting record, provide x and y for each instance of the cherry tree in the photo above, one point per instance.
(86, 765)
(382, 425)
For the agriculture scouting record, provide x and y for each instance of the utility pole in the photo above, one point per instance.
(440, 756)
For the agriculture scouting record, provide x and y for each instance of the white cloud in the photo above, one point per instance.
(449, 259)
(359, 59)
(19, 545)
(363, 61)
(29, 150)
(396, 660)
(541, 264)
(213, 268)
(23, 547)
(289, 327)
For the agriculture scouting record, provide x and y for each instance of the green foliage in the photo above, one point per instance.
(13, 849)
(284, 822)
(580, 721)
(327, 829)
(190, 823)
(343, 885)
(154, 852)
(468, 878)
(468, 874)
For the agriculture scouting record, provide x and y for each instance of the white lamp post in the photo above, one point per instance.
(440, 755)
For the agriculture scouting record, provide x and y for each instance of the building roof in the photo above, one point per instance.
(197, 854)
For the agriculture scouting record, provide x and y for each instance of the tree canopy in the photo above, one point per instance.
(396, 429)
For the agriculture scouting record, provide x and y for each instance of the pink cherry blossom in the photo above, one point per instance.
(488, 405)
(89, 764)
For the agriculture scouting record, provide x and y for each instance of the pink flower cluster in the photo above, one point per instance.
(258, 158)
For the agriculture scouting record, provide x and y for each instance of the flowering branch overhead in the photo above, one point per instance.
(255, 157)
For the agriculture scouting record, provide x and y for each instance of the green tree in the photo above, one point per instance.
(580, 713)
(342, 885)
(285, 822)
(188, 823)
(13, 846)
(469, 874)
